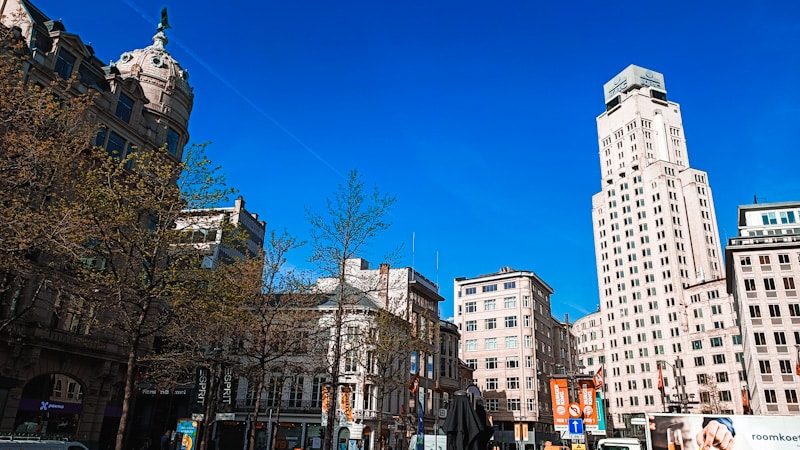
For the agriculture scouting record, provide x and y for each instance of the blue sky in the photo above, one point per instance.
(478, 116)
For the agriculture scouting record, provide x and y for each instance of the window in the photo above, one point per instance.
(791, 396)
(490, 404)
(489, 305)
(511, 342)
(509, 285)
(763, 260)
(774, 310)
(510, 302)
(471, 307)
(716, 342)
(783, 259)
(124, 108)
(745, 261)
(490, 343)
(491, 384)
(699, 361)
(490, 324)
(794, 309)
(769, 284)
(296, 393)
(65, 61)
(765, 366)
(172, 141)
(749, 285)
(513, 404)
(512, 383)
(472, 364)
(760, 338)
(780, 338)
(719, 359)
(472, 325)
(786, 366)
(511, 321)
(769, 396)
(755, 311)
(512, 362)
(115, 145)
(722, 377)
(470, 291)
(697, 345)
(471, 345)
(489, 288)
(491, 363)
(788, 283)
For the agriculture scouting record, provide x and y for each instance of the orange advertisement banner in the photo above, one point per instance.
(587, 402)
(560, 396)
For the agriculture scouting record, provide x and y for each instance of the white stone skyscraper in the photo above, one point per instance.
(659, 263)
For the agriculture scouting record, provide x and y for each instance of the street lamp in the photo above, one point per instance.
(681, 399)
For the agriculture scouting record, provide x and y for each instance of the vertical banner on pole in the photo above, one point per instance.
(601, 415)
(558, 391)
(587, 401)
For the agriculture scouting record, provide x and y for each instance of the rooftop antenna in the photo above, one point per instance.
(437, 269)
(413, 238)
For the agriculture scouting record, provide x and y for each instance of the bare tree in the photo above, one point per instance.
(353, 218)
(710, 400)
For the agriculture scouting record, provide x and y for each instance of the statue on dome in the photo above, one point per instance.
(164, 24)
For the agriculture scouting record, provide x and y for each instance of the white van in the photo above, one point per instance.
(30, 444)
(619, 444)
(430, 441)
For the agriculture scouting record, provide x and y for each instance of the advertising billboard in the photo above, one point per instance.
(685, 431)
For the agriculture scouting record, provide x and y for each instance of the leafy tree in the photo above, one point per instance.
(130, 209)
(353, 218)
(43, 136)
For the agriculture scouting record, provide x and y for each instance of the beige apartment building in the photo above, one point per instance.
(659, 263)
(763, 269)
(513, 344)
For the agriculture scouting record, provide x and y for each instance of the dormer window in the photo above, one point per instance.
(124, 107)
(65, 61)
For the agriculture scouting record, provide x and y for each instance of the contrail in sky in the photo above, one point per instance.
(236, 91)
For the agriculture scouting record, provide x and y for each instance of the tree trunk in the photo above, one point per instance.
(210, 414)
(126, 398)
(252, 437)
(380, 418)
(328, 443)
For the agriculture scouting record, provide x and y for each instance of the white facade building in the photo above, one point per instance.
(763, 272)
(204, 229)
(659, 263)
(511, 341)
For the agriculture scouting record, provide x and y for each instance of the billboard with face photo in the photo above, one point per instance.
(723, 432)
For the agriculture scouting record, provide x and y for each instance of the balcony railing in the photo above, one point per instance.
(751, 240)
(287, 406)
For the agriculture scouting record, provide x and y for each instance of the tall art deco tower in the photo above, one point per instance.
(659, 264)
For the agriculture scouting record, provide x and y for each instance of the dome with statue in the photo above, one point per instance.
(164, 82)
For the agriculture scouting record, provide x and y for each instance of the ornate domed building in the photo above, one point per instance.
(59, 375)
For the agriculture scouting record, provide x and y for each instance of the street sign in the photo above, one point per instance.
(576, 426)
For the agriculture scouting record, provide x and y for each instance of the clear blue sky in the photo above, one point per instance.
(478, 116)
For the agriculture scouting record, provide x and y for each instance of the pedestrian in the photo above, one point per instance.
(165, 440)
